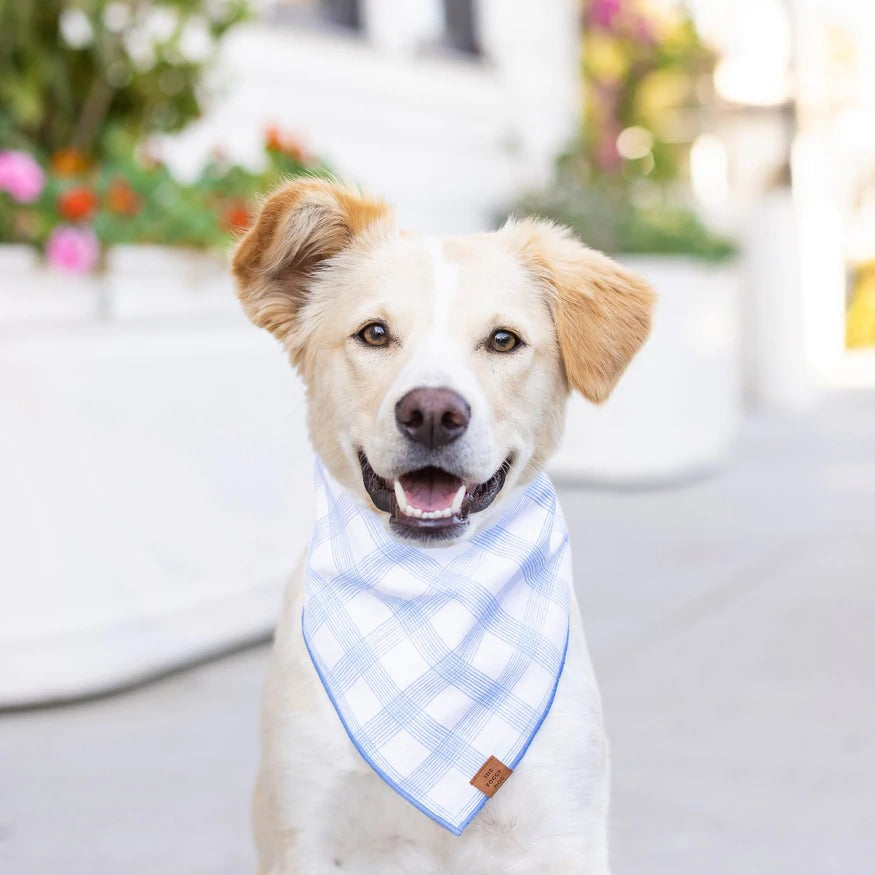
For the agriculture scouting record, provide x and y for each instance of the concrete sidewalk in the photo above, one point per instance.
(731, 623)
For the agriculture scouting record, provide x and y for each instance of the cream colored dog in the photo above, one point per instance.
(451, 359)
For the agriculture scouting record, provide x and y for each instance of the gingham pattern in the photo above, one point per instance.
(436, 659)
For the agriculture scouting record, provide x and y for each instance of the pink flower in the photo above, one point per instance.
(21, 176)
(643, 31)
(73, 249)
(607, 158)
(603, 12)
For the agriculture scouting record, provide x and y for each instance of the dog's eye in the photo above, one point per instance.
(503, 341)
(375, 334)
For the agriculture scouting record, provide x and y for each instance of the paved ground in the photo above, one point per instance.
(731, 622)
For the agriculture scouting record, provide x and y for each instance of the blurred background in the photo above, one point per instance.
(154, 468)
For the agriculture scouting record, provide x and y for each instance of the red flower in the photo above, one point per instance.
(77, 204)
(273, 139)
(276, 140)
(122, 199)
(236, 217)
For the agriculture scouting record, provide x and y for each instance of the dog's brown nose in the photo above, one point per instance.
(433, 416)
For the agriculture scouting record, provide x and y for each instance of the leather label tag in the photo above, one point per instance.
(490, 776)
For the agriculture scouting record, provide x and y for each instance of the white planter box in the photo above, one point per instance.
(139, 281)
(776, 369)
(676, 411)
(156, 486)
(156, 281)
(30, 291)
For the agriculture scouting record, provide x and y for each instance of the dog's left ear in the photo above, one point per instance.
(601, 311)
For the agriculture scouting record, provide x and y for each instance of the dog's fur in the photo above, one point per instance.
(319, 264)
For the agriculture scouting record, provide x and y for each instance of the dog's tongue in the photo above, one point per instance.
(430, 488)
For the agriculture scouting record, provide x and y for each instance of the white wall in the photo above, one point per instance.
(450, 140)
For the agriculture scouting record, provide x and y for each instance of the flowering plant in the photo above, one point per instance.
(622, 183)
(73, 209)
(83, 86)
(77, 73)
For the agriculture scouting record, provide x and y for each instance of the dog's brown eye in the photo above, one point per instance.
(503, 341)
(375, 334)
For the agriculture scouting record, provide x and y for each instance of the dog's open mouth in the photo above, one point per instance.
(430, 502)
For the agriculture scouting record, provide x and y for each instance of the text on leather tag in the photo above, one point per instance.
(490, 776)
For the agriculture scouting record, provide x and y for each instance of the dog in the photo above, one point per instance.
(437, 372)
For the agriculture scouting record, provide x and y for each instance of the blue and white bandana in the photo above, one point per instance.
(437, 660)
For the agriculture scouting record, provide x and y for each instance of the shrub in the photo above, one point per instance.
(76, 73)
(621, 185)
(72, 207)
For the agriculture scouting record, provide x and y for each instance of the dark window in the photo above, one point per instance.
(460, 27)
(345, 14)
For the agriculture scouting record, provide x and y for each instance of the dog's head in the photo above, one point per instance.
(437, 369)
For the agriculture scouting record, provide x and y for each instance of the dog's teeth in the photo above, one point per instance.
(406, 508)
(403, 504)
(456, 506)
(401, 497)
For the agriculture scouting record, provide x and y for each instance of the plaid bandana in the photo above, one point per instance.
(440, 662)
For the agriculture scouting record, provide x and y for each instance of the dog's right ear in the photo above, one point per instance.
(300, 226)
(602, 311)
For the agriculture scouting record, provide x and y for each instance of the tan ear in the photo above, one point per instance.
(301, 225)
(601, 311)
